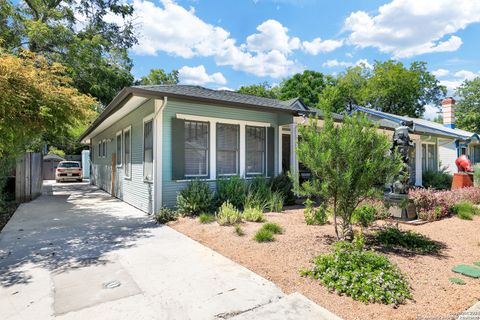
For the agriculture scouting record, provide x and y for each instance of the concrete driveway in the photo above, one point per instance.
(77, 253)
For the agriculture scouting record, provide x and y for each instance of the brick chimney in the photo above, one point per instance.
(448, 105)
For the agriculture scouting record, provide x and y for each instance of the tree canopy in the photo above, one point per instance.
(263, 89)
(467, 109)
(39, 103)
(78, 35)
(159, 76)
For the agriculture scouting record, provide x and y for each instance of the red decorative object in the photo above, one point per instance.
(462, 180)
(463, 164)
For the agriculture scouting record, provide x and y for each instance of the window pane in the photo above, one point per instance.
(227, 148)
(126, 148)
(99, 149)
(148, 150)
(255, 153)
(424, 157)
(119, 150)
(196, 148)
(431, 157)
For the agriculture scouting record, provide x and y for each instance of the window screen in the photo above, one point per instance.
(255, 150)
(196, 148)
(227, 148)
(148, 150)
(127, 152)
(119, 149)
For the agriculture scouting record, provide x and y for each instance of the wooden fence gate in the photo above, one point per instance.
(28, 177)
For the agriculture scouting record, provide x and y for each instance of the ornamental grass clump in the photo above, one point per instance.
(362, 275)
(253, 215)
(228, 215)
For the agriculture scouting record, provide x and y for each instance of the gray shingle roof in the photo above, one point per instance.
(225, 96)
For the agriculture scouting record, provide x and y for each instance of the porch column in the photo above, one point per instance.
(280, 156)
(418, 163)
(293, 149)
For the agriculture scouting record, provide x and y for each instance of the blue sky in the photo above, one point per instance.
(226, 44)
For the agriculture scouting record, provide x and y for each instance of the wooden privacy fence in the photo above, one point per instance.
(28, 177)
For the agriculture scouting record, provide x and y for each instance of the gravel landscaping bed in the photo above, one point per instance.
(281, 260)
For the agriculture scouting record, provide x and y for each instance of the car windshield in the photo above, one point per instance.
(69, 165)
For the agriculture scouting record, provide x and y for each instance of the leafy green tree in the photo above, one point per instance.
(77, 35)
(307, 85)
(38, 101)
(159, 76)
(395, 89)
(263, 89)
(467, 109)
(348, 162)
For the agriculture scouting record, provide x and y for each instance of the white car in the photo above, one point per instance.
(69, 171)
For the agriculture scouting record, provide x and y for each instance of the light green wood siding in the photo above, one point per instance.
(132, 190)
(170, 188)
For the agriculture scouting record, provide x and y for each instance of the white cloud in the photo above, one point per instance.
(318, 45)
(198, 76)
(335, 63)
(272, 36)
(407, 28)
(466, 75)
(225, 89)
(431, 112)
(440, 72)
(175, 30)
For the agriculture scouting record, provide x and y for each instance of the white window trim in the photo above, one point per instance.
(127, 175)
(213, 145)
(426, 153)
(119, 133)
(265, 161)
(147, 119)
(238, 154)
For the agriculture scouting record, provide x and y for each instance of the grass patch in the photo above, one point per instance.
(254, 215)
(263, 235)
(392, 237)
(362, 275)
(239, 231)
(465, 210)
(228, 215)
(273, 228)
(477, 263)
(457, 281)
(206, 218)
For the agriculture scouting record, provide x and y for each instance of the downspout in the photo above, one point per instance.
(159, 106)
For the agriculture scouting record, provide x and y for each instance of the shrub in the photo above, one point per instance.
(314, 216)
(432, 205)
(232, 190)
(263, 235)
(465, 210)
(228, 215)
(362, 275)
(196, 198)
(392, 237)
(206, 218)
(437, 179)
(457, 281)
(276, 202)
(239, 231)
(165, 215)
(364, 216)
(283, 184)
(258, 194)
(273, 228)
(253, 215)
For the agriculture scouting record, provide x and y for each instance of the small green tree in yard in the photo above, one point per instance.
(349, 163)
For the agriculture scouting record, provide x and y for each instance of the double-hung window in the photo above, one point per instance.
(255, 150)
(429, 157)
(127, 154)
(228, 149)
(196, 148)
(119, 148)
(148, 150)
(99, 149)
(104, 148)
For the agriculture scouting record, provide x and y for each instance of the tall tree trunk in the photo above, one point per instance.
(335, 216)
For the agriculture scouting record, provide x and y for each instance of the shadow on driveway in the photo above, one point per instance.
(74, 225)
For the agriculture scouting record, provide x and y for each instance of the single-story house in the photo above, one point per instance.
(150, 141)
(437, 145)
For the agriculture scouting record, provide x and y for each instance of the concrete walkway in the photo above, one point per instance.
(77, 253)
